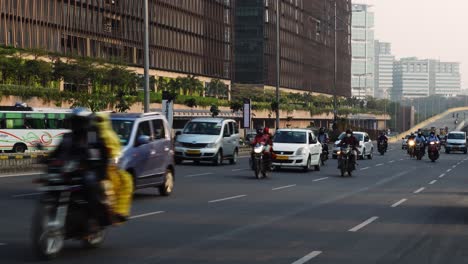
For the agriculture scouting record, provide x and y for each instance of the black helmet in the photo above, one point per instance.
(321, 130)
(80, 120)
(259, 130)
(349, 131)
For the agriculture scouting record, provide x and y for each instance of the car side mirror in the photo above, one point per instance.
(143, 140)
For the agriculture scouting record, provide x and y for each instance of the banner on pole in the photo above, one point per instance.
(247, 118)
(168, 107)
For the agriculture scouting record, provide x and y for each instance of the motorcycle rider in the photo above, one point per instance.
(263, 136)
(383, 138)
(420, 139)
(84, 144)
(432, 137)
(323, 139)
(350, 140)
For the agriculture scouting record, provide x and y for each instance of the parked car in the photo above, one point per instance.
(147, 150)
(296, 148)
(404, 143)
(208, 139)
(366, 147)
(456, 141)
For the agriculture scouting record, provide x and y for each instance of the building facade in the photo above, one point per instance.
(190, 37)
(307, 43)
(383, 70)
(362, 41)
(414, 78)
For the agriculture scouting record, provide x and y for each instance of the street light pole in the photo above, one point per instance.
(335, 110)
(278, 60)
(146, 56)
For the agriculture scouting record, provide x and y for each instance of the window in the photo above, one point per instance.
(159, 131)
(311, 138)
(143, 129)
(226, 132)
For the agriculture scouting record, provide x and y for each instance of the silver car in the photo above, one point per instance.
(208, 139)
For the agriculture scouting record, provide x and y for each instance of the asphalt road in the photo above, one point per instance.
(393, 210)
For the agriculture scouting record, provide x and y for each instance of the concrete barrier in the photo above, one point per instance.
(21, 163)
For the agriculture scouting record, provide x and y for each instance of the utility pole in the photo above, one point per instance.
(278, 61)
(335, 110)
(146, 57)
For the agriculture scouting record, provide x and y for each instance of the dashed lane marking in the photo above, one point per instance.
(399, 202)
(3, 244)
(321, 179)
(228, 198)
(363, 224)
(432, 182)
(449, 170)
(365, 168)
(238, 169)
(391, 161)
(283, 187)
(454, 166)
(442, 175)
(380, 164)
(145, 215)
(197, 175)
(26, 195)
(419, 190)
(308, 257)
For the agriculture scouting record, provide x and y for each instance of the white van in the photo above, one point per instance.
(456, 141)
(208, 139)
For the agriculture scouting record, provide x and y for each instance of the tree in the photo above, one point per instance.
(235, 106)
(217, 88)
(37, 71)
(162, 83)
(194, 85)
(214, 111)
(191, 102)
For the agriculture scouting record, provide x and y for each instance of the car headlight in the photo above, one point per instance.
(300, 151)
(212, 145)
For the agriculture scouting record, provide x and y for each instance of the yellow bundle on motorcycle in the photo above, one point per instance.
(122, 185)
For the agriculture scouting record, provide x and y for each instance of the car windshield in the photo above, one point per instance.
(358, 136)
(203, 128)
(293, 137)
(123, 128)
(456, 136)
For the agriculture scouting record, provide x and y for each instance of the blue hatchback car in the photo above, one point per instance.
(147, 150)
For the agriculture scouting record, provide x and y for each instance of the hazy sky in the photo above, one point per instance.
(424, 28)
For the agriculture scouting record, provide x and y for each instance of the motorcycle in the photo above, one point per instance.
(433, 151)
(411, 148)
(260, 163)
(346, 161)
(382, 147)
(324, 154)
(63, 211)
(419, 150)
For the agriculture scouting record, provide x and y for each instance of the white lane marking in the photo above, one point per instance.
(144, 215)
(366, 168)
(200, 174)
(21, 175)
(419, 190)
(321, 179)
(308, 257)
(399, 202)
(432, 182)
(363, 224)
(442, 175)
(238, 169)
(228, 198)
(391, 161)
(283, 187)
(380, 164)
(3, 244)
(401, 159)
(25, 195)
(449, 170)
(454, 166)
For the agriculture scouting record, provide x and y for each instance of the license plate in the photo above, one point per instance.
(279, 157)
(455, 148)
(193, 151)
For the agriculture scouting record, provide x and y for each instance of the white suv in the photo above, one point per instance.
(296, 148)
(208, 139)
(456, 141)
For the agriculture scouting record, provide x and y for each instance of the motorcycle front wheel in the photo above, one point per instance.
(47, 241)
(257, 168)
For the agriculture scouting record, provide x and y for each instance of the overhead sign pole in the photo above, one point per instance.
(247, 114)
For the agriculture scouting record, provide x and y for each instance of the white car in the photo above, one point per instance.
(296, 148)
(456, 141)
(366, 147)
